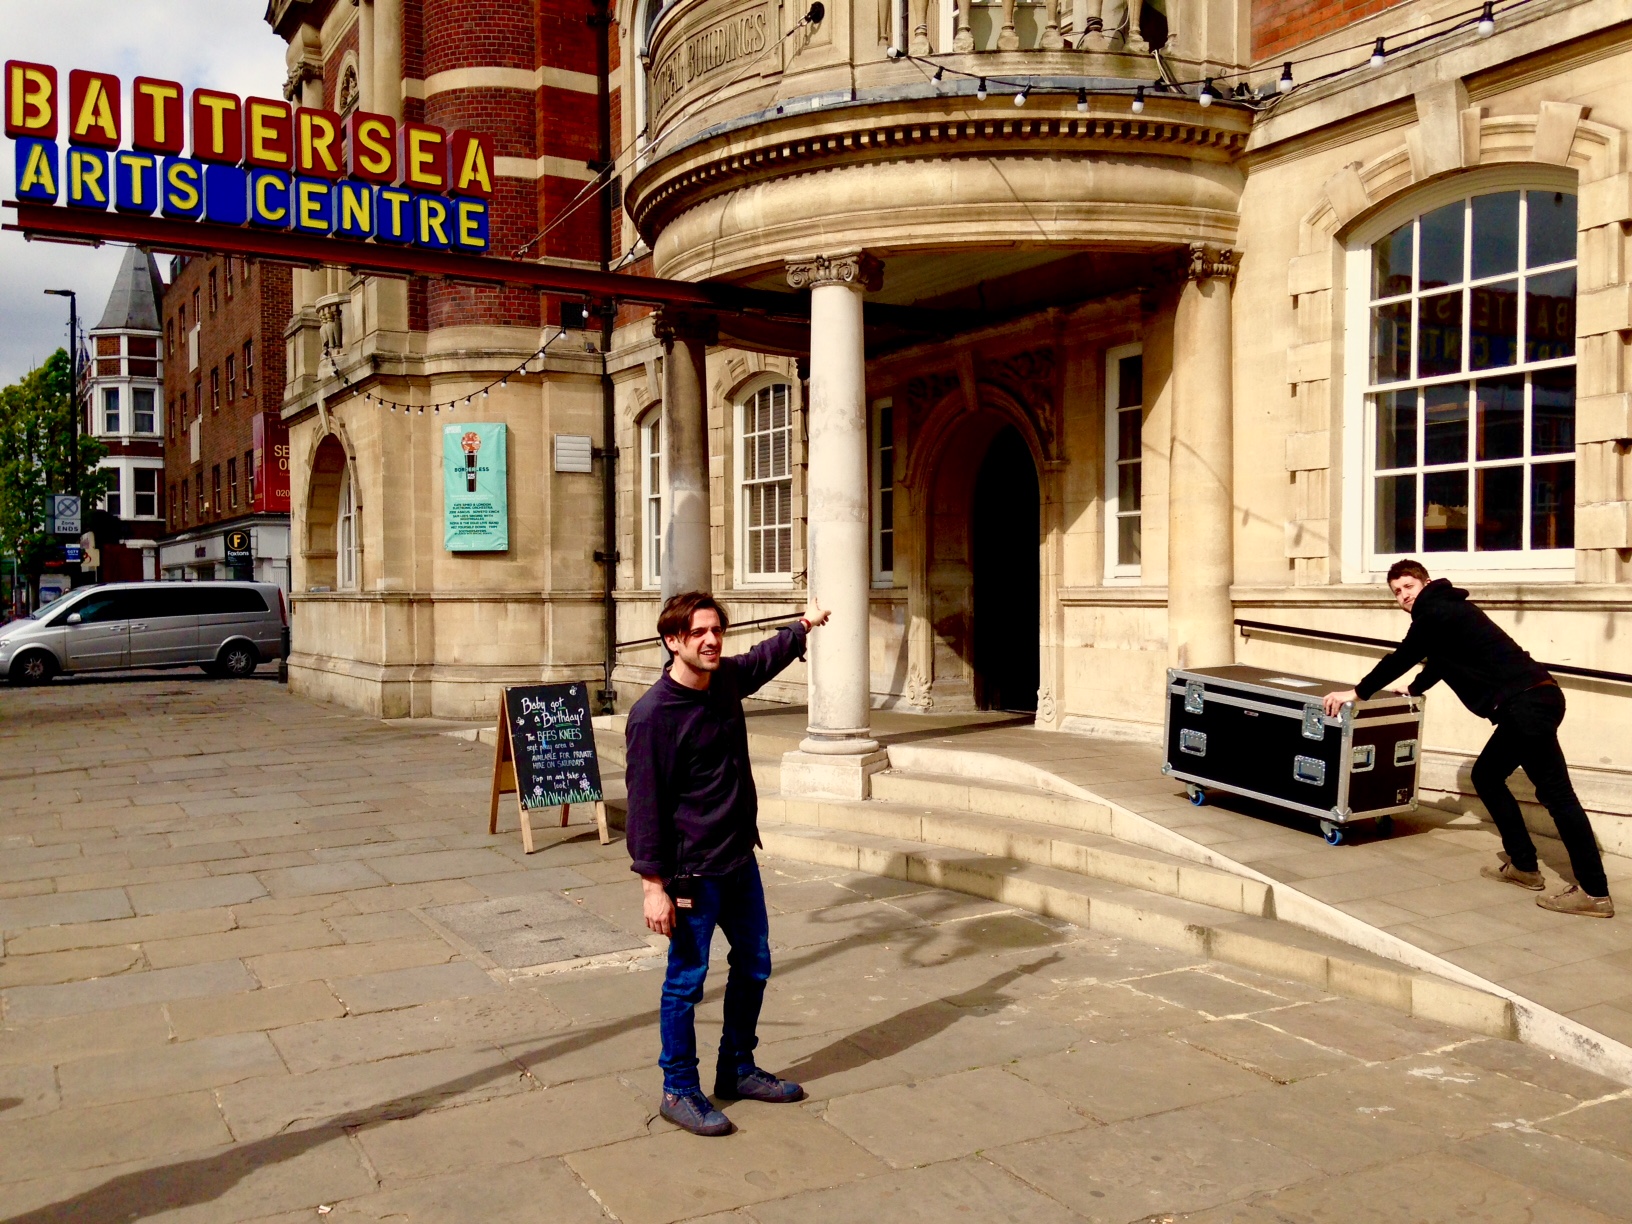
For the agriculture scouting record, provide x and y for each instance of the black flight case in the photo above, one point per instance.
(1264, 734)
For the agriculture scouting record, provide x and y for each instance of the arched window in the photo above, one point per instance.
(1467, 444)
(645, 21)
(651, 497)
(766, 480)
(345, 534)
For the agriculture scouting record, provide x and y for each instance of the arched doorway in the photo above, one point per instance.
(1004, 532)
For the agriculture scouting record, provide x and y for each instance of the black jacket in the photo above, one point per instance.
(1464, 648)
(693, 809)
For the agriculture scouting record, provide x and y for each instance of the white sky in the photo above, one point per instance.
(224, 44)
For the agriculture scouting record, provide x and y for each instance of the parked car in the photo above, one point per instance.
(225, 628)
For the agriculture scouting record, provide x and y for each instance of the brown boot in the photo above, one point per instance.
(1573, 901)
(1509, 874)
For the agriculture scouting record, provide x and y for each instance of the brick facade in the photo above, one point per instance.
(1279, 26)
(254, 313)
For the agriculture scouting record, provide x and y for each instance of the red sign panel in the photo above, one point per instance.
(271, 440)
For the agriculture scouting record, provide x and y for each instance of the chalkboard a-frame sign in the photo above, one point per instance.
(546, 754)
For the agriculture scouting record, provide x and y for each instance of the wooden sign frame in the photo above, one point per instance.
(504, 779)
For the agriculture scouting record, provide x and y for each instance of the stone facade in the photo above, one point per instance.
(1152, 314)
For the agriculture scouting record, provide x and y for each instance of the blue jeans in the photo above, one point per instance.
(736, 904)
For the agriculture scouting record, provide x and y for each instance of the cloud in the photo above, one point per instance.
(222, 44)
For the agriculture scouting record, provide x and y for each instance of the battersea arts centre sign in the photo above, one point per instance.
(215, 157)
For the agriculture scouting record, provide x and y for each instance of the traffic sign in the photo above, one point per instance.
(65, 514)
(70, 553)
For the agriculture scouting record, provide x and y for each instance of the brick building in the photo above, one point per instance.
(226, 449)
(125, 384)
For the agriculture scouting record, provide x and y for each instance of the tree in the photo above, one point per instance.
(35, 462)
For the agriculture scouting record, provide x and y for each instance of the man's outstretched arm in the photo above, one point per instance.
(762, 663)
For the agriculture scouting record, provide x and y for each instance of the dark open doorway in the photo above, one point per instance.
(1004, 531)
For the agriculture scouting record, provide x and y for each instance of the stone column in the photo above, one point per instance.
(686, 535)
(838, 752)
(1200, 502)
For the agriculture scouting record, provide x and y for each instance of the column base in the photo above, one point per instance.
(829, 776)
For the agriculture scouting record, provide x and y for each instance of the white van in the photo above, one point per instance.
(225, 628)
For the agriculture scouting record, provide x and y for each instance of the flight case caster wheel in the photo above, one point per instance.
(1385, 826)
(1197, 795)
(1333, 833)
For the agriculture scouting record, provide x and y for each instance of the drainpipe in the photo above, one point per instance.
(600, 19)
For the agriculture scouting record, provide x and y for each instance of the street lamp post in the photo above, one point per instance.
(73, 379)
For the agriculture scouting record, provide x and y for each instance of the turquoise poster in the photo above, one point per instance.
(475, 490)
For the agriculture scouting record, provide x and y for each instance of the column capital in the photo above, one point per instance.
(672, 325)
(856, 268)
(1207, 262)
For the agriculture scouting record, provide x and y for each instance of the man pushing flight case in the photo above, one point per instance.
(1266, 735)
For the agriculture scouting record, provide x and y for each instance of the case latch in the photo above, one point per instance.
(1314, 722)
(1194, 697)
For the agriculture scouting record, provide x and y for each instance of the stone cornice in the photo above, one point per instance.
(930, 130)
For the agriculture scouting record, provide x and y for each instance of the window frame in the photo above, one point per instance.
(152, 429)
(112, 419)
(137, 493)
(653, 523)
(1361, 563)
(1114, 570)
(347, 569)
(746, 396)
(882, 490)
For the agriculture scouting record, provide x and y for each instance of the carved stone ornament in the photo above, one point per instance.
(1045, 706)
(1208, 261)
(927, 390)
(672, 325)
(331, 325)
(1029, 377)
(918, 694)
(299, 74)
(855, 268)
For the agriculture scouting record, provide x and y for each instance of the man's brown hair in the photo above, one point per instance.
(1409, 569)
(675, 619)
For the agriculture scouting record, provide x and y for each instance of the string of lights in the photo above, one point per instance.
(1482, 19)
(458, 401)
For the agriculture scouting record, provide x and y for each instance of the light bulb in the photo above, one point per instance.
(1284, 85)
(939, 73)
(1082, 100)
(1139, 100)
(1378, 54)
(980, 89)
(1487, 21)
(1020, 98)
(1206, 98)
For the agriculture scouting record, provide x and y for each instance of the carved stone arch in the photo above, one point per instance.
(1558, 134)
(930, 440)
(332, 457)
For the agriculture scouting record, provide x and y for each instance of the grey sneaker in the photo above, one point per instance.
(1509, 874)
(695, 1113)
(756, 1085)
(1573, 901)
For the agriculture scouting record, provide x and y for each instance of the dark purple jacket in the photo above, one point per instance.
(693, 809)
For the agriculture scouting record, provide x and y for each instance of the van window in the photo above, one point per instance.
(102, 607)
(160, 600)
(222, 601)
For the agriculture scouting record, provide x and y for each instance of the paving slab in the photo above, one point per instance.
(514, 1194)
(55, 909)
(108, 1134)
(25, 1003)
(1130, 1079)
(171, 1070)
(404, 987)
(272, 1008)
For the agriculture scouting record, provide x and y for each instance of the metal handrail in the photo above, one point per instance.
(730, 628)
(1563, 669)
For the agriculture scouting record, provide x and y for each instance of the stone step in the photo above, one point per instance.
(1260, 944)
(1041, 844)
(951, 793)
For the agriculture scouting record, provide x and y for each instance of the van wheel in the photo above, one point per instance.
(34, 667)
(237, 660)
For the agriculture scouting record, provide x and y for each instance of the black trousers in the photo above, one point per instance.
(1527, 735)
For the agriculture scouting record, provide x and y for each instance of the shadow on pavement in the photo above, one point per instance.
(187, 1183)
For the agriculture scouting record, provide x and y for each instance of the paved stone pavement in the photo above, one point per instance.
(224, 998)
(1421, 884)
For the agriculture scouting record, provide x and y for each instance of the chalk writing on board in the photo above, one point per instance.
(553, 743)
